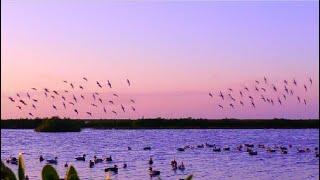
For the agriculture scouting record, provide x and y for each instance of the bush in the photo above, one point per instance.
(49, 173)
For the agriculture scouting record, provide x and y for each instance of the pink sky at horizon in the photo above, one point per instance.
(174, 54)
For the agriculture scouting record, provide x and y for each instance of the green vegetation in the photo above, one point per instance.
(49, 173)
(189, 177)
(71, 174)
(55, 124)
(6, 173)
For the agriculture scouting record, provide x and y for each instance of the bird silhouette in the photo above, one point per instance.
(75, 110)
(46, 90)
(114, 112)
(128, 82)
(298, 99)
(263, 89)
(104, 109)
(66, 91)
(45, 94)
(132, 100)
(256, 88)
(82, 96)
(220, 106)
(286, 89)
(122, 107)
(279, 101)
(310, 80)
(274, 88)
(305, 102)
(85, 78)
(52, 96)
(285, 81)
(100, 100)
(64, 105)
(22, 101)
(54, 107)
(55, 92)
(210, 94)
(19, 107)
(257, 82)
(74, 98)
(294, 82)
(99, 84)
(109, 84)
(241, 103)
(241, 94)
(11, 99)
(230, 89)
(284, 96)
(18, 95)
(71, 103)
(30, 114)
(80, 87)
(28, 95)
(305, 87)
(291, 92)
(271, 100)
(63, 98)
(71, 85)
(65, 81)
(231, 105)
(221, 95)
(265, 80)
(34, 107)
(246, 88)
(34, 89)
(94, 97)
(89, 113)
(252, 103)
(94, 105)
(35, 100)
(115, 95)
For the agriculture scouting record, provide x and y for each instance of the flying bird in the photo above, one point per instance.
(252, 103)
(104, 109)
(305, 102)
(210, 94)
(54, 107)
(231, 105)
(257, 82)
(35, 100)
(284, 96)
(263, 89)
(24, 103)
(34, 107)
(30, 114)
(65, 81)
(241, 94)
(305, 87)
(89, 113)
(52, 96)
(132, 100)
(74, 98)
(122, 107)
(285, 81)
(64, 105)
(18, 95)
(291, 92)
(71, 85)
(220, 106)
(115, 95)
(246, 88)
(310, 81)
(94, 97)
(128, 82)
(80, 87)
(82, 96)
(114, 112)
(71, 103)
(109, 84)
(298, 99)
(63, 98)
(75, 110)
(94, 105)
(133, 109)
(66, 91)
(28, 95)
(85, 78)
(46, 94)
(274, 88)
(34, 89)
(279, 101)
(46, 90)
(286, 89)
(111, 102)
(99, 84)
(11, 99)
(241, 103)
(19, 107)
(294, 82)
(100, 100)
(230, 89)
(55, 92)
(221, 95)
(265, 80)
(256, 88)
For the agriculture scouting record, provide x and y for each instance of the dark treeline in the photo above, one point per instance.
(56, 124)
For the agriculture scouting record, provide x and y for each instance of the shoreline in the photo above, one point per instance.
(162, 124)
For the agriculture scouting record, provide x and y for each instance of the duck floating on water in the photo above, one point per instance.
(147, 148)
(97, 160)
(83, 158)
(113, 169)
(41, 158)
(153, 172)
(91, 164)
(180, 149)
(109, 159)
(53, 161)
(150, 161)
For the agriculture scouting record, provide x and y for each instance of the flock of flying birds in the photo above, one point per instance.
(67, 99)
(262, 91)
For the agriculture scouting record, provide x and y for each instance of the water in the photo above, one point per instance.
(202, 163)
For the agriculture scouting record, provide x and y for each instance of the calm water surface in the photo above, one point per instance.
(203, 163)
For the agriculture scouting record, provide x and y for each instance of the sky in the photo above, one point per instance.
(174, 53)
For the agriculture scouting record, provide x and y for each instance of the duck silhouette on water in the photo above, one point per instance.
(113, 169)
(153, 172)
(81, 158)
(53, 161)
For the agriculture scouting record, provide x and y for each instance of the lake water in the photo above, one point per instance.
(203, 163)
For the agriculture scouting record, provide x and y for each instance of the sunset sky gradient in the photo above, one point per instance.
(174, 53)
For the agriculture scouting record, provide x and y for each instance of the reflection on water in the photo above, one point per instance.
(203, 163)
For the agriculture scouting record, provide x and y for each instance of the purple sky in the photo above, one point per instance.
(173, 52)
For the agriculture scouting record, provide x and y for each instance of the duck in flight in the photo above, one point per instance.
(128, 82)
(11, 99)
(109, 84)
(99, 84)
